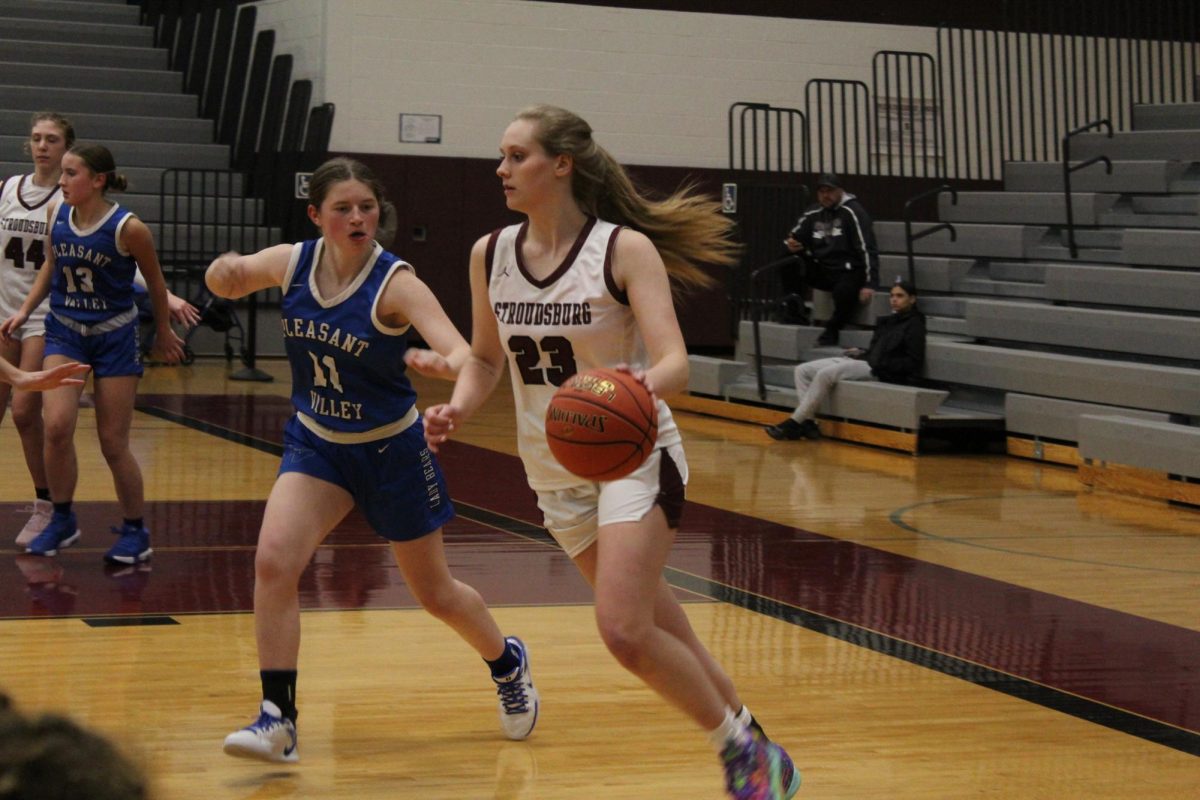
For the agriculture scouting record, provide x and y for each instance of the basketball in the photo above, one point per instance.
(601, 424)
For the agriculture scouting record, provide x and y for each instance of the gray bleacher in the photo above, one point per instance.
(95, 63)
(127, 99)
(1101, 351)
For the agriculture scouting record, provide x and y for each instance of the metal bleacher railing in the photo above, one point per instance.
(1069, 168)
(263, 116)
(1008, 93)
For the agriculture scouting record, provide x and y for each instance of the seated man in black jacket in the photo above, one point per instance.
(895, 355)
(836, 243)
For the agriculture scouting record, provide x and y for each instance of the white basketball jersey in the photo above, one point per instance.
(23, 236)
(573, 320)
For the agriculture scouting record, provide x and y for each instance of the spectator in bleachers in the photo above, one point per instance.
(895, 355)
(836, 245)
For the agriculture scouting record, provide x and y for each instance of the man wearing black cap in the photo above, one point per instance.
(837, 245)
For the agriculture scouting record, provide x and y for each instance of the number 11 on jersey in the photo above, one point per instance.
(320, 376)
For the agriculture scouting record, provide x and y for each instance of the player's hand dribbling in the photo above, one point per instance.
(440, 421)
(639, 375)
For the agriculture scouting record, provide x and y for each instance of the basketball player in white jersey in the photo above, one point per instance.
(24, 200)
(582, 284)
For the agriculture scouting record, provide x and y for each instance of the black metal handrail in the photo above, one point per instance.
(1008, 92)
(796, 122)
(1068, 169)
(910, 237)
(207, 211)
(757, 313)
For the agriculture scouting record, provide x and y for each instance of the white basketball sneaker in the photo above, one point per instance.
(42, 509)
(271, 737)
(518, 698)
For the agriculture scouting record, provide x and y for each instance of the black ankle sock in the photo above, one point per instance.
(135, 523)
(41, 494)
(62, 508)
(279, 686)
(506, 663)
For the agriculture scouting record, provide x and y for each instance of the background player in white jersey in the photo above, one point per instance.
(571, 290)
(25, 201)
(95, 249)
(356, 441)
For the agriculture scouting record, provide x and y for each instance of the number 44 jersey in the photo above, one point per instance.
(348, 375)
(574, 319)
(23, 230)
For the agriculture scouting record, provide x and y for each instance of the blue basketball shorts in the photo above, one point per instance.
(396, 482)
(112, 354)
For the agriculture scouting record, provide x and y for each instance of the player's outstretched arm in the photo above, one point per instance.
(233, 275)
(45, 379)
(480, 371)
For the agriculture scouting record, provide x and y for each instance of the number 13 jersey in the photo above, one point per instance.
(574, 319)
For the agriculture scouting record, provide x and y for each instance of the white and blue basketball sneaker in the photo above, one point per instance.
(518, 697)
(271, 737)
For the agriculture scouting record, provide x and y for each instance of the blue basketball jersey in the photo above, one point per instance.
(93, 279)
(348, 372)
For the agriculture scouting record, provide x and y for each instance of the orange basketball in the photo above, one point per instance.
(601, 424)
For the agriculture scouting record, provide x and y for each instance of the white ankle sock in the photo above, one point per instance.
(743, 717)
(729, 729)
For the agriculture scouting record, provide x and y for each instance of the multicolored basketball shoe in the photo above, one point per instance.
(271, 737)
(757, 769)
(518, 698)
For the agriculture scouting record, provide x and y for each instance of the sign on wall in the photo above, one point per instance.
(421, 128)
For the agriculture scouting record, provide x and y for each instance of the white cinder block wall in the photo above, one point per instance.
(656, 85)
(299, 27)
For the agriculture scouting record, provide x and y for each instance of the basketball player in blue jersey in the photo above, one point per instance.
(356, 440)
(95, 248)
(591, 245)
(25, 201)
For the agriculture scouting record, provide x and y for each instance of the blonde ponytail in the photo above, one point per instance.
(688, 228)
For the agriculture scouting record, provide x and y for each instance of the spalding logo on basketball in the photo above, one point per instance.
(601, 424)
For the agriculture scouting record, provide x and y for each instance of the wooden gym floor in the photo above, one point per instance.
(933, 627)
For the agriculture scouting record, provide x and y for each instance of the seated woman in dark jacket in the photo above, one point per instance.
(895, 355)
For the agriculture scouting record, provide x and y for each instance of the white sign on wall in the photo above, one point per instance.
(421, 128)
